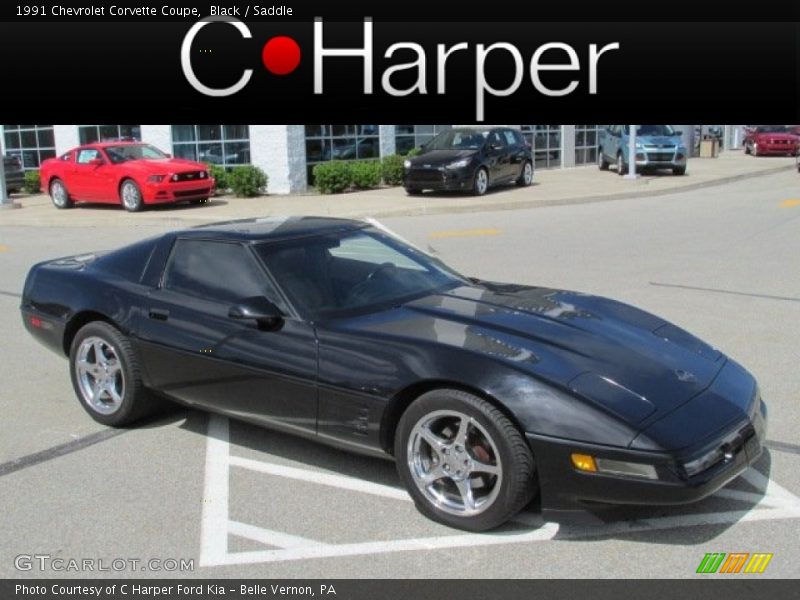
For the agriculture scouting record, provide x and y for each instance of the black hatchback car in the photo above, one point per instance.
(470, 160)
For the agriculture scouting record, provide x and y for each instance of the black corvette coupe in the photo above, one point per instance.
(485, 394)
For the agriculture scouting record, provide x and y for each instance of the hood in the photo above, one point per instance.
(630, 362)
(439, 158)
(659, 140)
(775, 136)
(165, 165)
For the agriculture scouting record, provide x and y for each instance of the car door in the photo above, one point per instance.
(613, 142)
(499, 156)
(90, 176)
(195, 353)
(516, 152)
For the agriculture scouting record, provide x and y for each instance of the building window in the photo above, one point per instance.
(30, 143)
(546, 142)
(586, 144)
(89, 134)
(224, 145)
(340, 142)
(408, 137)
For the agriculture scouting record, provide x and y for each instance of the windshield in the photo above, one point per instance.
(353, 272)
(123, 152)
(665, 130)
(772, 129)
(458, 139)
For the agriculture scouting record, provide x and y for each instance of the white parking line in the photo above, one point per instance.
(771, 502)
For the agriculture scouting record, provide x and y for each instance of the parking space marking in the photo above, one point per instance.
(770, 502)
(790, 203)
(4, 248)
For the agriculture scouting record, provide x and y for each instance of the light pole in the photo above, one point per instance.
(631, 152)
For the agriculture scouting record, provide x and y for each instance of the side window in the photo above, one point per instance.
(87, 154)
(66, 157)
(519, 138)
(511, 139)
(496, 140)
(216, 271)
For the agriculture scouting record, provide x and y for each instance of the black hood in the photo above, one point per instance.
(634, 364)
(440, 158)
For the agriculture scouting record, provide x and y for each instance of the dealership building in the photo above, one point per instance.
(288, 153)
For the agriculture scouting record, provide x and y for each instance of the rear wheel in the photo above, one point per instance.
(526, 175)
(59, 194)
(480, 183)
(106, 376)
(131, 196)
(463, 462)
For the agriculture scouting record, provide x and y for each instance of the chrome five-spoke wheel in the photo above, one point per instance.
(455, 463)
(101, 380)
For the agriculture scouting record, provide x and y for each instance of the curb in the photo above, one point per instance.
(520, 204)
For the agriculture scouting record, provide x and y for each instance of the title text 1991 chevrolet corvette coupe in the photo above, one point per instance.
(484, 393)
(127, 173)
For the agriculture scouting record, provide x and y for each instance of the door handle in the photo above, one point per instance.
(159, 314)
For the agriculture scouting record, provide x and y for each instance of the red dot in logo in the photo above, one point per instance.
(281, 55)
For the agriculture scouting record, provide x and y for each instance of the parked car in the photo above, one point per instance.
(128, 173)
(485, 394)
(771, 139)
(14, 174)
(657, 147)
(471, 160)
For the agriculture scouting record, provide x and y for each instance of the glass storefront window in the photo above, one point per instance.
(32, 144)
(223, 145)
(89, 134)
(408, 137)
(339, 142)
(546, 142)
(586, 137)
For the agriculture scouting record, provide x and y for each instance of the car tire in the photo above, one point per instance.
(602, 163)
(754, 149)
(198, 201)
(621, 167)
(131, 196)
(679, 171)
(444, 441)
(413, 191)
(480, 182)
(526, 174)
(59, 194)
(106, 376)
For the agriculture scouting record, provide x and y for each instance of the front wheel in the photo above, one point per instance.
(526, 175)
(621, 166)
(463, 461)
(413, 191)
(131, 196)
(198, 201)
(602, 163)
(679, 170)
(106, 376)
(481, 182)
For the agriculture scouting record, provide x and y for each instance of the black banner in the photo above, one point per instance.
(349, 589)
(410, 71)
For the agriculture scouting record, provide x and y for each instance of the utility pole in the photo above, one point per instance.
(5, 201)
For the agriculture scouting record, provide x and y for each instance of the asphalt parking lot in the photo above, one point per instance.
(243, 502)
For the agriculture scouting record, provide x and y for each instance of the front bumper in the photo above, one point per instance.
(564, 488)
(660, 158)
(438, 179)
(158, 193)
(782, 148)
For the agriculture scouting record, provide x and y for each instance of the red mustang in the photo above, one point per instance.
(130, 173)
(771, 139)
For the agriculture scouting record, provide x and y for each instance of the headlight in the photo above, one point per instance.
(155, 178)
(203, 174)
(174, 177)
(639, 146)
(407, 164)
(459, 164)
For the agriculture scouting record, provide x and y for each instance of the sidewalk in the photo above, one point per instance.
(551, 187)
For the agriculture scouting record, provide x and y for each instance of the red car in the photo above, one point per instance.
(130, 173)
(771, 139)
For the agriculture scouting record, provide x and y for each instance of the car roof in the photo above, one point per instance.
(272, 228)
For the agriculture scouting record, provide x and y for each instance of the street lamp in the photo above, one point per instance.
(5, 201)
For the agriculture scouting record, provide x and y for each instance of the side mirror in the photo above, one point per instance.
(265, 314)
(96, 162)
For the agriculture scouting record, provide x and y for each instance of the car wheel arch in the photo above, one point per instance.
(404, 398)
(78, 320)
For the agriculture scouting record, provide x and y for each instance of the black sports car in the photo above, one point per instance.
(484, 393)
(471, 160)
